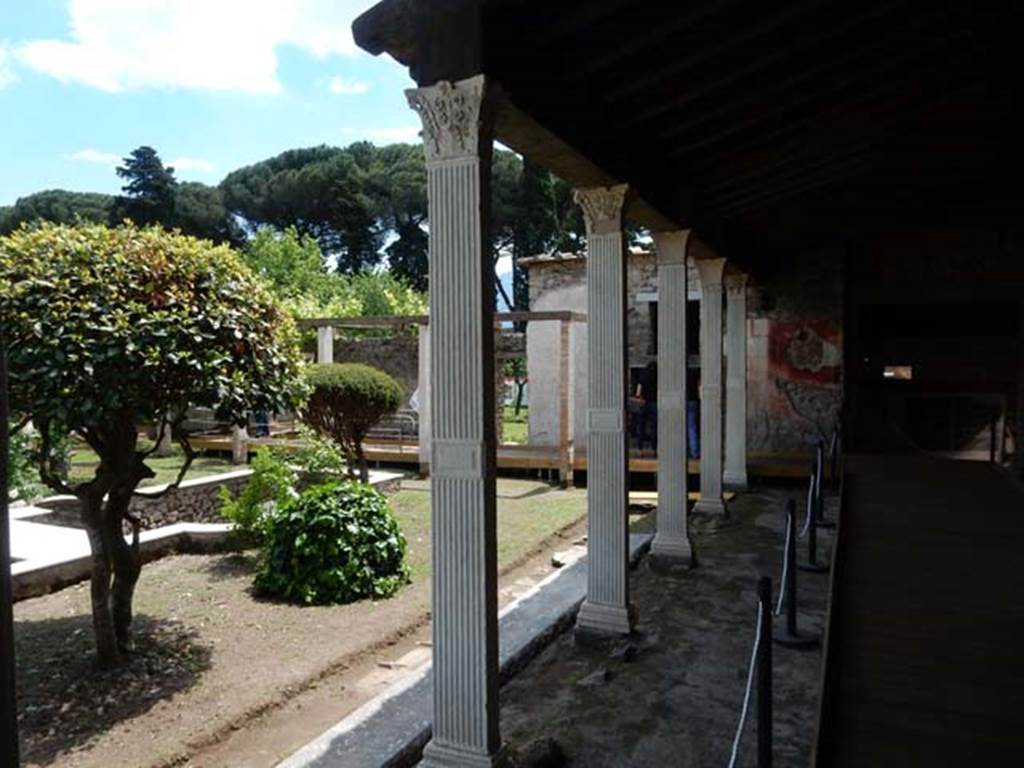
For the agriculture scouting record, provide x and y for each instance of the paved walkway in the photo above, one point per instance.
(673, 697)
(927, 667)
(34, 542)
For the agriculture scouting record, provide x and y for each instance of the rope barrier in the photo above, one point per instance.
(746, 695)
(785, 572)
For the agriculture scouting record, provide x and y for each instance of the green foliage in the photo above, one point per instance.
(276, 476)
(345, 400)
(319, 192)
(108, 326)
(149, 188)
(22, 476)
(336, 543)
(57, 205)
(293, 265)
(200, 212)
(272, 483)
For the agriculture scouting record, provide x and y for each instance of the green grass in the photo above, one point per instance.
(516, 428)
(528, 512)
(84, 463)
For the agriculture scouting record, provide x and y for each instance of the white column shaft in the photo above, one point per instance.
(423, 383)
(465, 623)
(606, 609)
(735, 475)
(711, 386)
(672, 538)
(325, 344)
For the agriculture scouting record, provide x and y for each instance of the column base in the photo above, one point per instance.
(710, 506)
(447, 756)
(672, 550)
(605, 620)
(735, 481)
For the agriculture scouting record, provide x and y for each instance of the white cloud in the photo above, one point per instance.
(389, 135)
(6, 73)
(192, 164)
(343, 87)
(220, 45)
(90, 155)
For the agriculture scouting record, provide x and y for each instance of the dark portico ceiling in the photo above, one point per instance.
(761, 125)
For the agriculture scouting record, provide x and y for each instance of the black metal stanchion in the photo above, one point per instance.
(812, 565)
(819, 496)
(8, 697)
(788, 634)
(764, 676)
(837, 446)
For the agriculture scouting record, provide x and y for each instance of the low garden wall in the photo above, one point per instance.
(194, 501)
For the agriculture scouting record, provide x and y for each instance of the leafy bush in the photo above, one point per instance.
(335, 543)
(276, 477)
(271, 485)
(346, 400)
(110, 329)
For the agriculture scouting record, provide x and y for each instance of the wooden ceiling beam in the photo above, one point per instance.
(743, 66)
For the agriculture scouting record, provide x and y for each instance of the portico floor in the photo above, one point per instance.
(678, 700)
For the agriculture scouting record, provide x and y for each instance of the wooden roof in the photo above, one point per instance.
(763, 126)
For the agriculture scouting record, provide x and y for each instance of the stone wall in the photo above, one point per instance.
(794, 345)
(194, 501)
(794, 352)
(396, 355)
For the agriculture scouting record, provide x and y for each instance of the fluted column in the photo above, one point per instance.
(606, 609)
(710, 501)
(325, 344)
(672, 539)
(735, 475)
(457, 139)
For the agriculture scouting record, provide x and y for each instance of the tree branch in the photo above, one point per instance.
(181, 437)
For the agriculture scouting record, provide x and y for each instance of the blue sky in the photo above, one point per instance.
(212, 84)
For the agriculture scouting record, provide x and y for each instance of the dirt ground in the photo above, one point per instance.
(222, 679)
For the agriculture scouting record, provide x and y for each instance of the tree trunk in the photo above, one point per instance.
(364, 467)
(520, 385)
(108, 653)
(127, 565)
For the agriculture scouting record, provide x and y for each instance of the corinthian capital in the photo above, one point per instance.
(602, 208)
(451, 114)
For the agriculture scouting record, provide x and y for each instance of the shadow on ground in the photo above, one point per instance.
(65, 701)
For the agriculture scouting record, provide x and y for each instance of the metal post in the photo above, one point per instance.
(837, 445)
(790, 635)
(814, 503)
(8, 696)
(819, 477)
(764, 676)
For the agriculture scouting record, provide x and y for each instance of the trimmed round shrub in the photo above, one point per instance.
(335, 543)
(345, 400)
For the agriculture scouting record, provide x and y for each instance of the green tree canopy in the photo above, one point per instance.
(109, 329)
(57, 205)
(320, 192)
(148, 190)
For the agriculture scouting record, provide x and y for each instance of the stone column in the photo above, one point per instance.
(672, 541)
(735, 475)
(240, 445)
(711, 387)
(457, 141)
(423, 406)
(606, 609)
(325, 344)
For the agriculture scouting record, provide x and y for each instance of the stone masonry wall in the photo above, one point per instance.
(794, 352)
(396, 355)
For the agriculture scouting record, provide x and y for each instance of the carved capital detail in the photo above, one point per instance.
(671, 247)
(451, 114)
(735, 283)
(602, 208)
